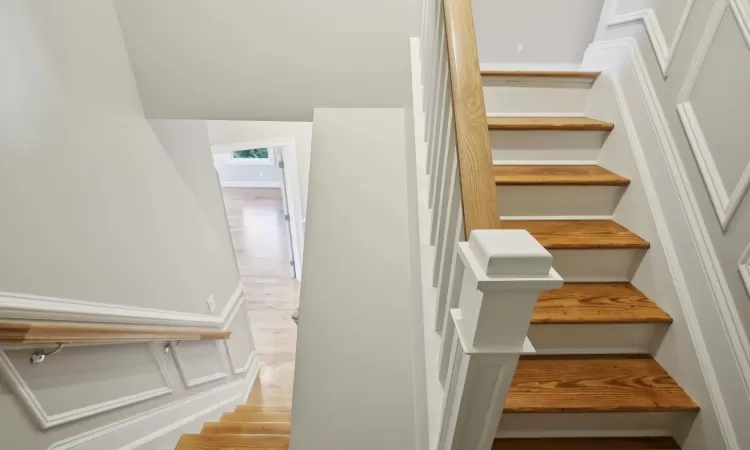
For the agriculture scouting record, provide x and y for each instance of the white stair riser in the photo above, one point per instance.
(597, 264)
(619, 338)
(505, 96)
(559, 201)
(546, 147)
(606, 424)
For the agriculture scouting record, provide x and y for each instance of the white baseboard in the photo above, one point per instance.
(252, 184)
(157, 428)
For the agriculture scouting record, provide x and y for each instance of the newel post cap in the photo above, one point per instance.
(509, 253)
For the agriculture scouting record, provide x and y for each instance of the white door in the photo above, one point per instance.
(285, 201)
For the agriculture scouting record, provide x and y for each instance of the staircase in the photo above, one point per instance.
(255, 425)
(524, 367)
(592, 339)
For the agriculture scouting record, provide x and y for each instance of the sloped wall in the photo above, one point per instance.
(98, 224)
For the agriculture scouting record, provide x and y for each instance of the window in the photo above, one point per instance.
(254, 156)
(256, 153)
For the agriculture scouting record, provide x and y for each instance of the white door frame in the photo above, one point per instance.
(291, 185)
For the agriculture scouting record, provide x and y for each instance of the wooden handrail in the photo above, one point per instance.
(55, 332)
(478, 196)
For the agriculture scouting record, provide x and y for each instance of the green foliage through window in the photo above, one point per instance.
(256, 153)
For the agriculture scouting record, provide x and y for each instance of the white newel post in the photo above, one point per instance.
(504, 273)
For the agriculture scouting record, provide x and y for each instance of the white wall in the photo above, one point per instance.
(95, 210)
(690, 68)
(230, 131)
(553, 33)
(93, 207)
(272, 60)
(354, 364)
(187, 145)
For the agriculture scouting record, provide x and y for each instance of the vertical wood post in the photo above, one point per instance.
(504, 273)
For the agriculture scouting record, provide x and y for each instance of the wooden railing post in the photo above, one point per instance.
(504, 273)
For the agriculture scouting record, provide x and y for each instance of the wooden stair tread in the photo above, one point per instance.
(609, 443)
(255, 416)
(557, 175)
(263, 408)
(232, 441)
(590, 303)
(578, 234)
(548, 123)
(594, 383)
(584, 75)
(246, 428)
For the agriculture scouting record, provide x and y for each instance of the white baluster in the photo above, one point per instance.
(438, 108)
(448, 329)
(505, 271)
(447, 208)
(443, 173)
(435, 56)
(447, 259)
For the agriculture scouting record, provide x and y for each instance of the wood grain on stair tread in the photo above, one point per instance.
(588, 383)
(581, 303)
(541, 74)
(578, 234)
(557, 175)
(246, 428)
(609, 443)
(263, 408)
(255, 416)
(548, 123)
(232, 441)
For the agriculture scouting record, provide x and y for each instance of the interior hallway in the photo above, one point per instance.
(260, 236)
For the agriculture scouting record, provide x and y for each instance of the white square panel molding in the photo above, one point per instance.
(664, 28)
(714, 106)
(199, 362)
(82, 381)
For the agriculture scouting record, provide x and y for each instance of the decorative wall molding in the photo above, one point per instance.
(745, 268)
(36, 307)
(238, 368)
(26, 396)
(664, 50)
(725, 203)
(140, 429)
(183, 369)
(602, 55)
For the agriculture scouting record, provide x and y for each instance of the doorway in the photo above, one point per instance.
(266, 169)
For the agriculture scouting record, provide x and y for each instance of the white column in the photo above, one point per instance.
(505, 271)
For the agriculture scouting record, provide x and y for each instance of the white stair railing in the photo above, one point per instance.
(486, 288)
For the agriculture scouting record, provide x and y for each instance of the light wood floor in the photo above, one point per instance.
(260, 236)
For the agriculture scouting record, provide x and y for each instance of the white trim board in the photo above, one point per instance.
(36, 307)
(44, 421)
(725, 203)
(664, 51)
(251, 184)
(709, 293)
(141, 429)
